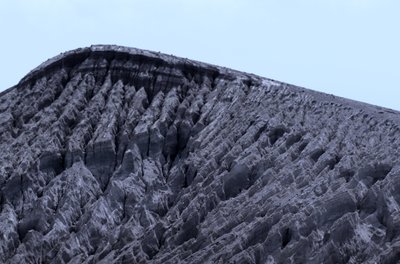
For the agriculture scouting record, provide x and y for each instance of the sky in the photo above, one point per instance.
(349, 48)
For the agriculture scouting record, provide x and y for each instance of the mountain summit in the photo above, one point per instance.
(118, 155)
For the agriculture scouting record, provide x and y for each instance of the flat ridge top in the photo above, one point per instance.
(99, 48)
(172, 59)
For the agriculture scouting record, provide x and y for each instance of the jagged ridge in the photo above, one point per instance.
(113, 154)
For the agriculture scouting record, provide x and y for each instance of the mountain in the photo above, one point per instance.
(119, 155)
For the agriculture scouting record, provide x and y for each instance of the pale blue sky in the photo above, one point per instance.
(343, 47)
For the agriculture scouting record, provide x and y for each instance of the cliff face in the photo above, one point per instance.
(112, 154)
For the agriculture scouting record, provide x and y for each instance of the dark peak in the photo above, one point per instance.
(113, 57)
(71, 59)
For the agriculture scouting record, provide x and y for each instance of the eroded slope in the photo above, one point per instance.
(111, 154)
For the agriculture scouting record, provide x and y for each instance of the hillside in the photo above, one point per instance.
(111, 154)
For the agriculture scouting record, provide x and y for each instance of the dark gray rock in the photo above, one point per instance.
(118, 155)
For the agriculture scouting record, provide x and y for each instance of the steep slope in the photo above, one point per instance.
(118, 155)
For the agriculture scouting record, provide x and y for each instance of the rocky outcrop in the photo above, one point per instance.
(118, 155)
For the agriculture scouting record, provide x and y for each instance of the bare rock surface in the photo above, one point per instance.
(118, 155)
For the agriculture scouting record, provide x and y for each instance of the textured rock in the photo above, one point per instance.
(118, 155)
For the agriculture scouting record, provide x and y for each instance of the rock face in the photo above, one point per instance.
(118, 155)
